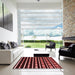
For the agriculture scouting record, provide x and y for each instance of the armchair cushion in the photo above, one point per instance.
(72, 48)
(51, 45)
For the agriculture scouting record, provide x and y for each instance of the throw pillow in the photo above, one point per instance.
(3, 45)
(9, 46)
(13, 44)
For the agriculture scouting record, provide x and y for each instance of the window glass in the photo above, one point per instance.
(41, 23)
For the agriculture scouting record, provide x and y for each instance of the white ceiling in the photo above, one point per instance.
(39, 6)
(29, 1)
(34, 4)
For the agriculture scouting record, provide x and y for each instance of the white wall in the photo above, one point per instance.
(6, 35)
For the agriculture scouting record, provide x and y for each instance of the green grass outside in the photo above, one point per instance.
(39, 44)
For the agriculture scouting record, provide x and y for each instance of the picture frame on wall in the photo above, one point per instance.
(1, 15)
(6, 17)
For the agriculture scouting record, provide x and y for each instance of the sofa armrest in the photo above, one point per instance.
(6, 57)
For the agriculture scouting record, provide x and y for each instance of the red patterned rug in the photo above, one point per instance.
(37, 63)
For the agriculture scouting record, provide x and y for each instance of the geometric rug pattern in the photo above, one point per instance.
(37, 63)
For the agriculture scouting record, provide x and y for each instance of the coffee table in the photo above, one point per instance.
(41, 53)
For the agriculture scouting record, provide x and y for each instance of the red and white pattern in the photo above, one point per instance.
(37, 63)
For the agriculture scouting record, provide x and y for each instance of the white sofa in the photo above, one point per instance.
(9, 55)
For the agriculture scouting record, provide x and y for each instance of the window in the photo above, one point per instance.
(40, 23)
